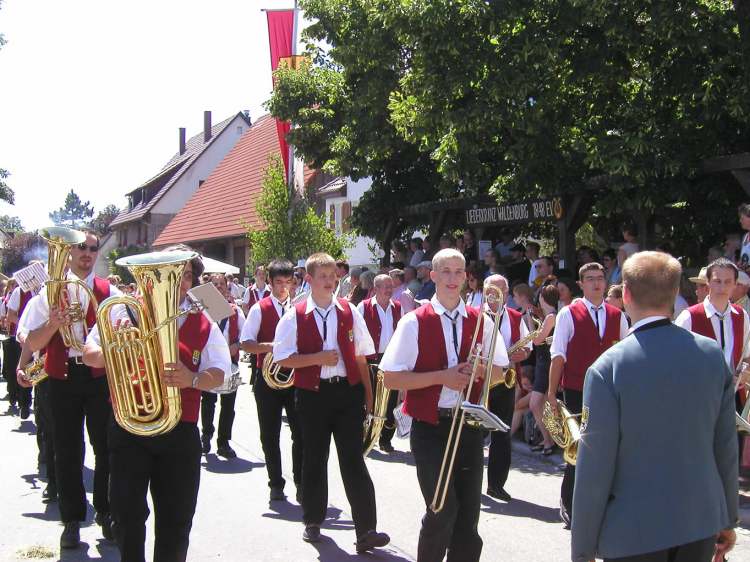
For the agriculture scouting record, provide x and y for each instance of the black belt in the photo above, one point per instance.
(332, 380)
(445, 412)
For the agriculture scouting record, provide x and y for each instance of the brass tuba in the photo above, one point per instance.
(59, 241)
(375, 422)
(564, 429)
(135, 355)
(275, 376)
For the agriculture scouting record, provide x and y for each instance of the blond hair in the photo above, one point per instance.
(447, 254)
(652, 279)
(316, 261)
(380, 279)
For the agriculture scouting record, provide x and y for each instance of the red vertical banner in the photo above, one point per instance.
(280, 30)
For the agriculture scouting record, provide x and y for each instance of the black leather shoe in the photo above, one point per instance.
(311, 533)
(71, 537)
(500, 494)
(49, 494)
(206, 442)
(224, 450)
(104, 520)
(370, 540)
(386, 447)
(25, 412)
(277, 494)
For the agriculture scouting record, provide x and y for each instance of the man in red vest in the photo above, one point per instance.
(256, 291)
(257, 338)
(168, 464)
(12, 351)
(326, 342)
(427, 357)
(502, 398)
(585, 329)
(77, 393)
(230, 328)
(381, 315)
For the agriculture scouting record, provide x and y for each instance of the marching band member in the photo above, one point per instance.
(256, 291)
(169, 463)
(326, 342)
(427, 358)
(230, 328)
(12, 349)
(257, 338)
(77, 393)
(381, 315)
(502, 398)
(585, 329)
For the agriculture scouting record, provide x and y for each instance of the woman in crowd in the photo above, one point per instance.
(474, 285)
(548, 301)
(567, 291)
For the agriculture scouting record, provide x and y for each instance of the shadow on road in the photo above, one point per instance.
(285, 511)
(231, 466)
(520, 508)
(403, 457)
(27, 426)
(106, 552)
(329, 551)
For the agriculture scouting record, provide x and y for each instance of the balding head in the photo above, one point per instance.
(651, 281)
(501, 283)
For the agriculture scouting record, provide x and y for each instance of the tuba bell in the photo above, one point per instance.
(59, 241)
(375, 422)
(564, 429)
(135, 355)
(275, 376)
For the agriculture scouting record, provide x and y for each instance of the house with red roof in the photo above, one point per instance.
(155, 202)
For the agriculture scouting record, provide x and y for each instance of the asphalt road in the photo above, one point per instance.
(235, 522)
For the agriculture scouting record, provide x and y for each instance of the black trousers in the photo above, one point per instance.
(454, 528)
(270, 405)
(226, 416)
(337, 410)
(170, 465)
(11, 354)
(574, 401)
(80, 397)
(502, 402)
(698, 551)
(45, 429)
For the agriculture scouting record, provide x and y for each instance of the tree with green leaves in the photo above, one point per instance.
(10, 224)
(292, 229)
(100, 223)
(6, 192)
(74, 212)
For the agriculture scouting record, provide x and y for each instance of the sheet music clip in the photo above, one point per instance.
(208, 299)
(483, 416)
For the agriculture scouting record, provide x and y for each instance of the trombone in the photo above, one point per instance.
(477, 414)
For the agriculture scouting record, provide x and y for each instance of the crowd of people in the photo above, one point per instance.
(339, 333)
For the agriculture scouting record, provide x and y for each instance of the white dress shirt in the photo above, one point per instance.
(402, 352)
(564, 328)
(38, 309)
(685, 321)
(254, 289)
(215, 355)
(285, 341)
(386, 322)
(505, 330)
(14, 302)
(252, 325)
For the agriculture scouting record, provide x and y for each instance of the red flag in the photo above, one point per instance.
(280, 30)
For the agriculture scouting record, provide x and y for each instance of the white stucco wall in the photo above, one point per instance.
(359, 254)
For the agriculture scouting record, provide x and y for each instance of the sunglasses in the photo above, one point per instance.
(83, 247)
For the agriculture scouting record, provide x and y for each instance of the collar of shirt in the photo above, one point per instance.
(644, 321)
(279, 303)
(256, 288)
(440, 309)
(591, 305)
(311, 305)
(385, 310)
(711, 309)
(89, 280)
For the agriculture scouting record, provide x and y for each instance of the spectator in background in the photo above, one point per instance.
(345, 280)
(469, 250)
(398, 252)
(630, 246)
(413, 284)
(474, 285)
(234, 289)
(427, 249)
(446, 241)
(701, 284)
(460, 245)
(415, 252)
(397, 275)
(739, 295)
(428, 285)
(714, 253)
(532, 254)
(680, 302)
(519, 267)
(114, 280)
(358, 292)
(544, 268)
(504, 247)
(744, 212)
(548, 302)
(611, 269)
(491, 263)
(567, 290)
(614, 297)
(732, 247)
(587, 254)
(367, 282)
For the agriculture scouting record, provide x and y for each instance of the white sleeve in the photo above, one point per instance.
(216, 353)
(14, 302)
(93, 336)
(745, 332)
(361, 308)
(563, 334)
(38, 312)
(285, 339)
(240, 320)
(251, 327)
(684, 321)
(363, 344)
(114, 292)
(524, 331)
(501, 353)
(246, 296)
(401, 353)
(624, 327)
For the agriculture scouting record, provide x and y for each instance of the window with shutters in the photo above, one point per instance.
(346, 213)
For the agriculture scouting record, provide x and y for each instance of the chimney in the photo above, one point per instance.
(182, 141)
(206, 126)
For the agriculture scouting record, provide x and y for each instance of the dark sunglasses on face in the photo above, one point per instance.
(83, 247)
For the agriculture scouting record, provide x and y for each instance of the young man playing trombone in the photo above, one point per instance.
(427, 357)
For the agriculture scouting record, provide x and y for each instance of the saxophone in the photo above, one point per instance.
(510, 375)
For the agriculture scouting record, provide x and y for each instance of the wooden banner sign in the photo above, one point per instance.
(509, 213)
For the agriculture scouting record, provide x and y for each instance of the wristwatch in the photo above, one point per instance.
(196, 378)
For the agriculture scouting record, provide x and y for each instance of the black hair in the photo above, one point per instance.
(343, 265)
(280, 268)
(722, 263)
(196, 262)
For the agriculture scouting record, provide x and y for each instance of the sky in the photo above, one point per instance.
(92, 93)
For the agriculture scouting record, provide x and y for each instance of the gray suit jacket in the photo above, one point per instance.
(657, 462)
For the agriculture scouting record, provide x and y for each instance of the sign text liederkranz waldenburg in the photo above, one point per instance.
(522, 211)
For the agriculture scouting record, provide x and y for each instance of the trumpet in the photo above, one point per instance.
(275, 376)
(564, 429)
(59, 241)
(477, 414)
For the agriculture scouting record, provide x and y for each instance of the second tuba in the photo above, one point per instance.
(275, 376)
(564, 429)
(135, 355)
(375, 422)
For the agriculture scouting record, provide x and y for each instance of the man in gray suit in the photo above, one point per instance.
(656, 476)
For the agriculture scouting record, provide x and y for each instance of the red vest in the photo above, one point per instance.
(269, 318)
(254, 297)
(585, 347)
(514, 317)
(372, 319)
(422, 403)
(234, 331)
(192, 338)
(56, 359)
(309, 341)
(702, 325)
(23, 301)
